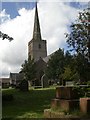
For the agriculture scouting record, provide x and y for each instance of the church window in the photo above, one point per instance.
(39, 46)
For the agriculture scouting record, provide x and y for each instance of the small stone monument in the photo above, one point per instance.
(44, 81)
(66, 99)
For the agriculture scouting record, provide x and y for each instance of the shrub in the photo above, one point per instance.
(82, 91)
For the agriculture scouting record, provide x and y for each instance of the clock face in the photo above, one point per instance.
(39, 46)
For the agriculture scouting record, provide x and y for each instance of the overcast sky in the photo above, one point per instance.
(17, 19)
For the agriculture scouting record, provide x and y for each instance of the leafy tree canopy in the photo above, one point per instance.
(55, 65)
(79, 41)
(28, 68)
(79, 38)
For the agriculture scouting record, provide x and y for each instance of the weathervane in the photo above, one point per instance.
(5, 36)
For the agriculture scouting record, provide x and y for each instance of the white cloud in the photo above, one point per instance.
(54, 18)
(4, 16)
(13, 54)
(45, 0)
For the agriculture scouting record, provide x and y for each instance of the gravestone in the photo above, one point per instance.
(85, 105)
(69, 83)
(24, 86)
(66, 99)
(44, 81)
(66, 92)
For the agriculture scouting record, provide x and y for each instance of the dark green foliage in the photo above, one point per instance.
(78, 40)
(61, 67)
(55, 65)
(82, 67)
(28, 68)
(68, 58)
(79, 36)
(69, 70)
(67, 75)
(83, 91)
(68, 67)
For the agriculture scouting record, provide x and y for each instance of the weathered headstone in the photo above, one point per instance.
(44, 81)
(85, 105)
(66, 99)
(64, 92)
(24, 85)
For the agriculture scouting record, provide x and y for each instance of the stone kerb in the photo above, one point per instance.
(64, 105)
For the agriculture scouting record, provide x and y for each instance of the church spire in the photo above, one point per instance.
(36, 31)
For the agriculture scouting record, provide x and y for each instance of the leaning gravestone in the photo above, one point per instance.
(24, 85)
(44, 81)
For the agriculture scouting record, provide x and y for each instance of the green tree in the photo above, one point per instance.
(70, 72)
(82, 67)
(55, 65)
(28, 68)
(67, 75)
(68, 58)
(79, 37)
(79, 40)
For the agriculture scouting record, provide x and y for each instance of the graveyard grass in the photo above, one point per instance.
(29, 104)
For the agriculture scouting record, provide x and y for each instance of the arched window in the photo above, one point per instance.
(39, 46)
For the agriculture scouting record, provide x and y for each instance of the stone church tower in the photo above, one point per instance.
(37, 47)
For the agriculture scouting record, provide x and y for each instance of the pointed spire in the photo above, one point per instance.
(36, 31)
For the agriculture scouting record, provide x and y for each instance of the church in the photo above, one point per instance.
(37, 49)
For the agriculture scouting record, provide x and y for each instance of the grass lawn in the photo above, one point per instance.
(29, 104)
